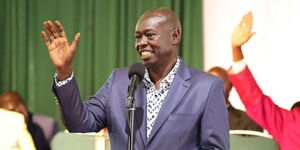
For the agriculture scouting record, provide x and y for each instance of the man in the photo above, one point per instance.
(41, 128)
(282, 124)
(13, 132)
(181, 108)
(238, 120)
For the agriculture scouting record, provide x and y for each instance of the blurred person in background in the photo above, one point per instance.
(42, 128)
(282, 124)
(13, 132)
(295, 105)
(238, 120)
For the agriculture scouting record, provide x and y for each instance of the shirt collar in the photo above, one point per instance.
(168, 79)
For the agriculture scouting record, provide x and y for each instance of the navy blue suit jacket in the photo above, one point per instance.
(192, 117)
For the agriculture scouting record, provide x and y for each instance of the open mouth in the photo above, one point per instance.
(146, 53)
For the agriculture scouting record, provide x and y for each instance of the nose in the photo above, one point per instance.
(142, 42)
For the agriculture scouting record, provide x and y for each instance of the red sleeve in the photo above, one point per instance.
(259, 107)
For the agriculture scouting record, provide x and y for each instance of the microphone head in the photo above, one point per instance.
(138, 69)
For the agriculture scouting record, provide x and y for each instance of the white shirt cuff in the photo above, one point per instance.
(64, 82)
(238, 66)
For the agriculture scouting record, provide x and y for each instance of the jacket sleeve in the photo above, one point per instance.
(258, 106)
(78, 116)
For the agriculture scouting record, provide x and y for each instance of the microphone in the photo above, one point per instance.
(135, 74)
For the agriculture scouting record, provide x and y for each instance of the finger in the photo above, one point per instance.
(252, 33)
(75, 41)
(55, 34)
(249, 37)
(250, 14)
(47, 28)
(247, 19)
(60, 29)
(45, 38)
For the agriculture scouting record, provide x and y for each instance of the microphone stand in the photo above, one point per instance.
(138, 70)
(131, 108)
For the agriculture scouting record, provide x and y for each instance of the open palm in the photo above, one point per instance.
(60, 50)
(242, 33)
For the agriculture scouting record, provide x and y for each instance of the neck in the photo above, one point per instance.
(158, 73)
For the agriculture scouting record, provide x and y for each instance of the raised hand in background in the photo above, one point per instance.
(241, 34)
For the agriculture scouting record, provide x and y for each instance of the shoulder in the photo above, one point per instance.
(11, 115)
(198, 76)
(200, 82)
(12, 120)
(118, 78)
(120, 72)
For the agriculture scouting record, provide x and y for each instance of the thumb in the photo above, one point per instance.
(252, 33)
(249, 37)
(75, 42)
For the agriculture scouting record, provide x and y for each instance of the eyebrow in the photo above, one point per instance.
(147, 30)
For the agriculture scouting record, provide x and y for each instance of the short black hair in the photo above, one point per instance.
(297, 104)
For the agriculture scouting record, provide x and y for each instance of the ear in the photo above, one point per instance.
(176, 36)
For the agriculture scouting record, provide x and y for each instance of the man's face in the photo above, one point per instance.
(154, 41)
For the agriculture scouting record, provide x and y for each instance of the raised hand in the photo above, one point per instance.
(242, 33)
(60, 50)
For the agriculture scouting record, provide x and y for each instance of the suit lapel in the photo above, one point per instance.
(178, 89)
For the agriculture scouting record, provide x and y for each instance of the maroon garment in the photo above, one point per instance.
(282, 124)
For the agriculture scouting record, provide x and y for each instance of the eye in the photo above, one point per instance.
(150, 35)
(137, 36)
